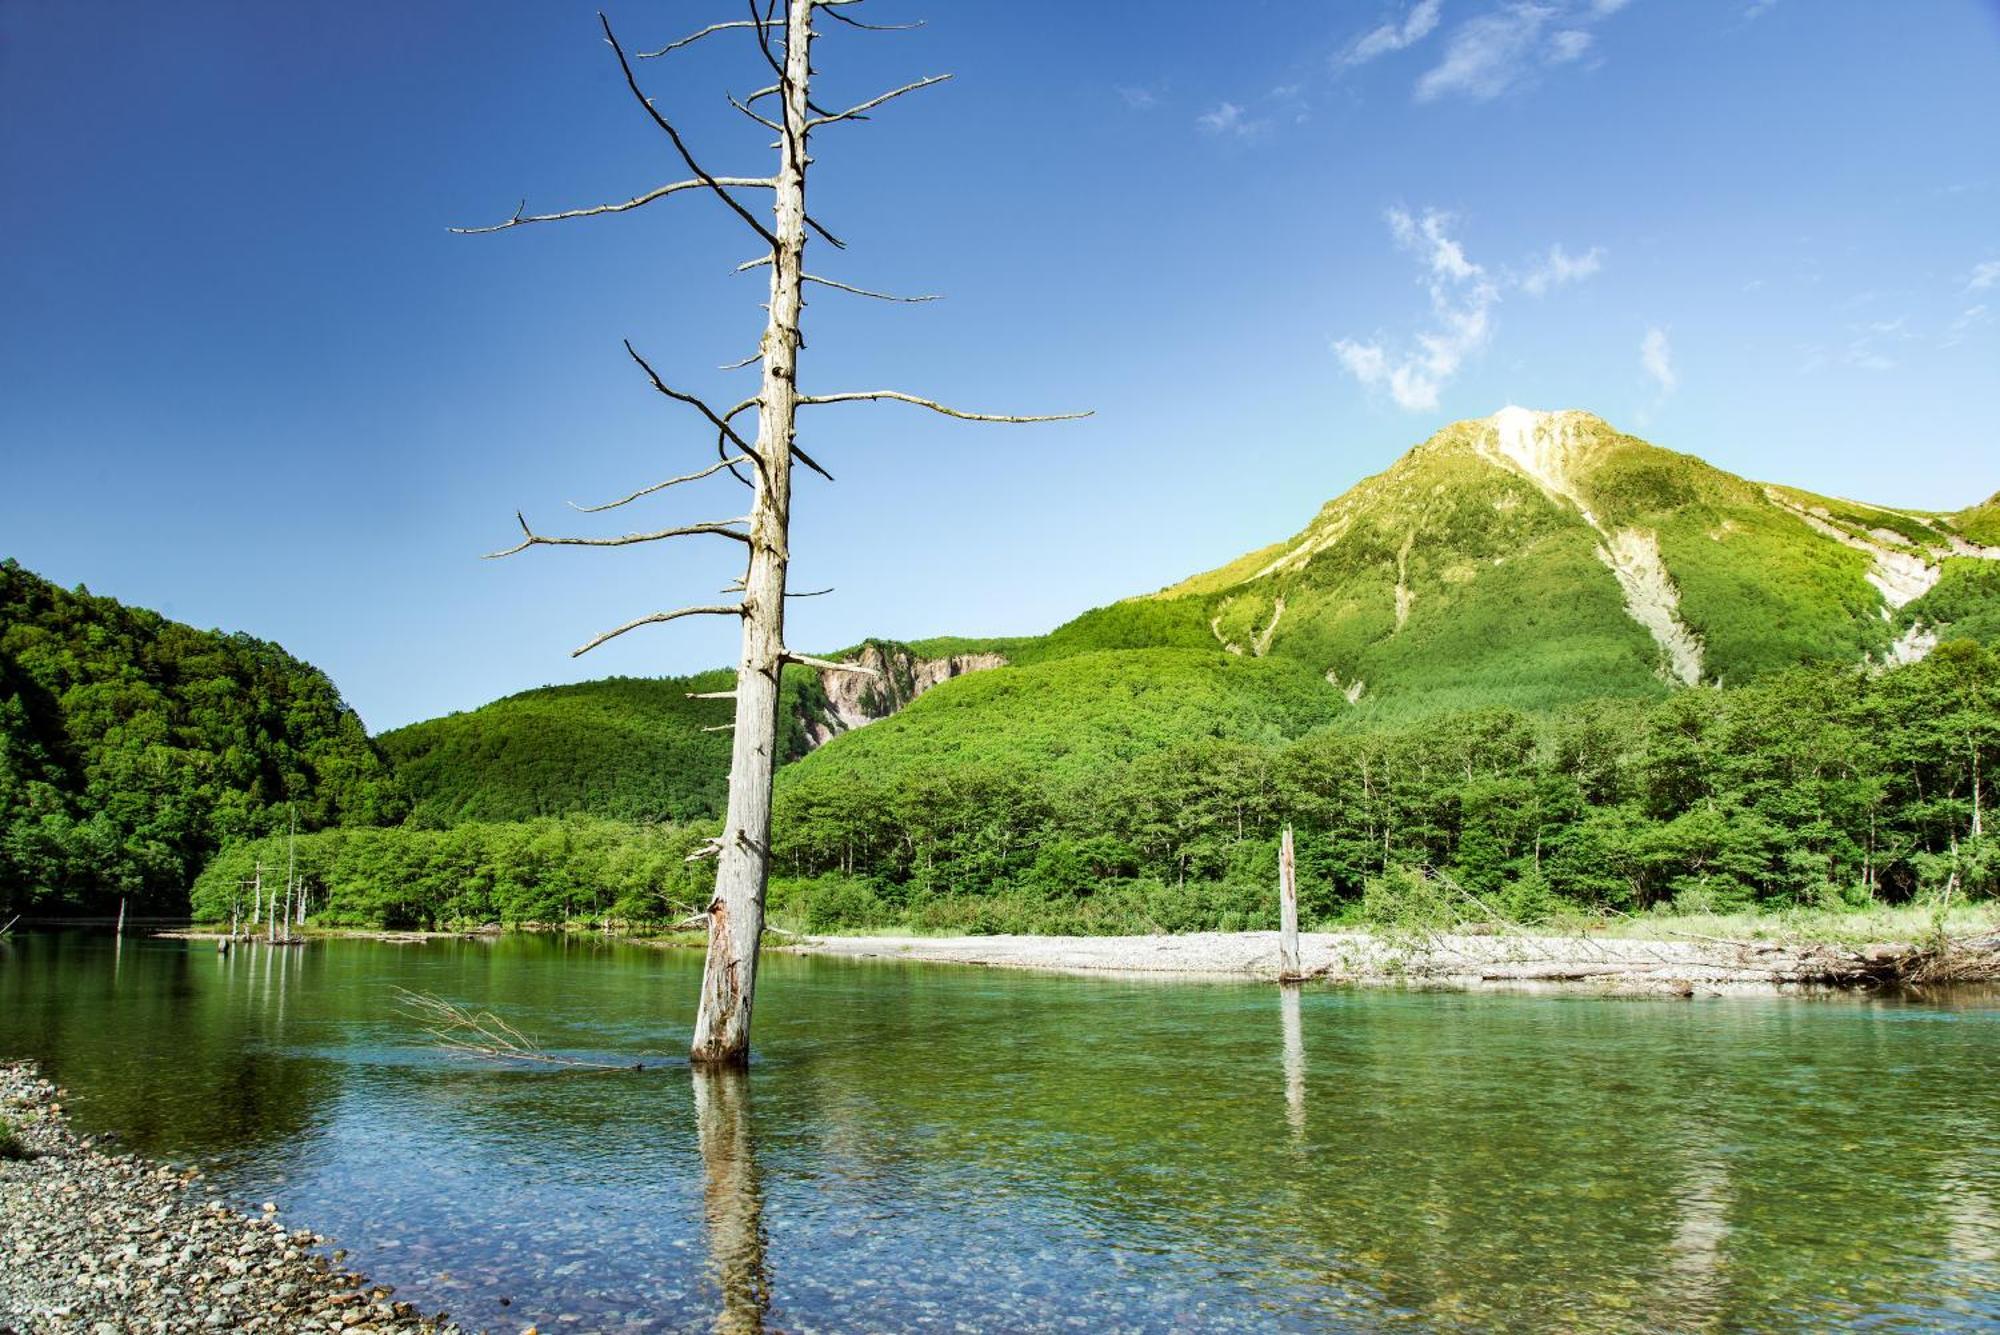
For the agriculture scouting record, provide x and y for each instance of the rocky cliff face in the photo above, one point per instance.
(854, 700)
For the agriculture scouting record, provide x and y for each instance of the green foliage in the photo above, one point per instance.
(624, 748)
(1965, 603)
(132, 746)
(10, 1143)
(1816, 787)
(542, 871)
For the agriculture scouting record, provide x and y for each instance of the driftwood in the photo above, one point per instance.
(484, 1034)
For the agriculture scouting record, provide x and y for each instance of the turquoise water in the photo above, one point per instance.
(935, 1148)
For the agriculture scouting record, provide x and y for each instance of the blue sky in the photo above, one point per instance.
(249, 378)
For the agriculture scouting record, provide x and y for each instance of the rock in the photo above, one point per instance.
(113, 1243)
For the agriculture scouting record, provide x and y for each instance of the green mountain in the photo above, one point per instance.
(1526, 560)
(132, 747)
(1530, 558)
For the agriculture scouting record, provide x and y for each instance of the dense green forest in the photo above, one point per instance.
(1822, 787)
(132, 747)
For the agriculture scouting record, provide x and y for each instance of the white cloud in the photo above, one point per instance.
(1656, 355)
(1230, 119)
(1462, 298)
(1507, 47)
(1757, 9)
(1560, 268)
(1568, 45)
(1393, 36)
(1139, 99)
(1968, 320)
(1983, 275)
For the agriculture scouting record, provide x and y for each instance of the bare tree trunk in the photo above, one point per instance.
(743, 851)
(1288, 910)
(743, 863)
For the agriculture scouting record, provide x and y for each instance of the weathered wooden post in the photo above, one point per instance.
(1288, 912)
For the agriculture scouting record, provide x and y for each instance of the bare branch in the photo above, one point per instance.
(811, 593)
(756, 356)
(709, 471)
(828, 664)
(858, 110)
(731, 609)
(767, 124)
(691, 40)
(680, 146)
(765, 262)
(807, 460)
(639, 201)
(711, 695)
(833, 8)
(721, 727)
(861, 396)
(723, 528)
(679, 396)
(709, 848)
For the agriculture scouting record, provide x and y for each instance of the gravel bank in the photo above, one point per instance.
(1605, 964)
(105, 1243)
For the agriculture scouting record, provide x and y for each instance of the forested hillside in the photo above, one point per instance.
(132, 747)
(1823, 787)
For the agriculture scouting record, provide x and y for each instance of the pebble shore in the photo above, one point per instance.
(108, 1243)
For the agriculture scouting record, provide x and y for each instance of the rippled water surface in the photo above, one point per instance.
(925, 1147)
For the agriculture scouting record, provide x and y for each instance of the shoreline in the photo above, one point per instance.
(1500, 956)
(119, 1242)
(1623, 966)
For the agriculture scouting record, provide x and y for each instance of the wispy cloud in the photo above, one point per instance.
(1864, 349)
(1462, 298)
(1138, 99)
(1983, 275)
(1968, 319)
(1230, 120)
(1463, 295)
(1757, 9)
(1559, 268)
(1508, 47)
(1656, 358)
(1393, 35)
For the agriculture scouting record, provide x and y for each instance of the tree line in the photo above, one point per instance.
(1822, 787)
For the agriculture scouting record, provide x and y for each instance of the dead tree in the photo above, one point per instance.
(786, 108)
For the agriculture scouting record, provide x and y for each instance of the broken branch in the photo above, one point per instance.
(709, 471)
(731, 609)
(638, 201)
(696, 37)
(858, 110)
(680, 145)
(722, 528)
(861, 396)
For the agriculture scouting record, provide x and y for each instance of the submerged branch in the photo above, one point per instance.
(483, 1034)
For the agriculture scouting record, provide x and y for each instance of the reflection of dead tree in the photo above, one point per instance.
(733, 1198)
(781, 42)
(484, 1034)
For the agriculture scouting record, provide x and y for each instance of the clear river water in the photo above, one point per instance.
(925, 1147)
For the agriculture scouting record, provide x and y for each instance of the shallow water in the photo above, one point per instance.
(930, 1147)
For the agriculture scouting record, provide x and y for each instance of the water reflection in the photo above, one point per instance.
(1295, 1059)
(1027, 1152)
(732, 1199)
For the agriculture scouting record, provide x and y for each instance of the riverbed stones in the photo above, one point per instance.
(112, 1243)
